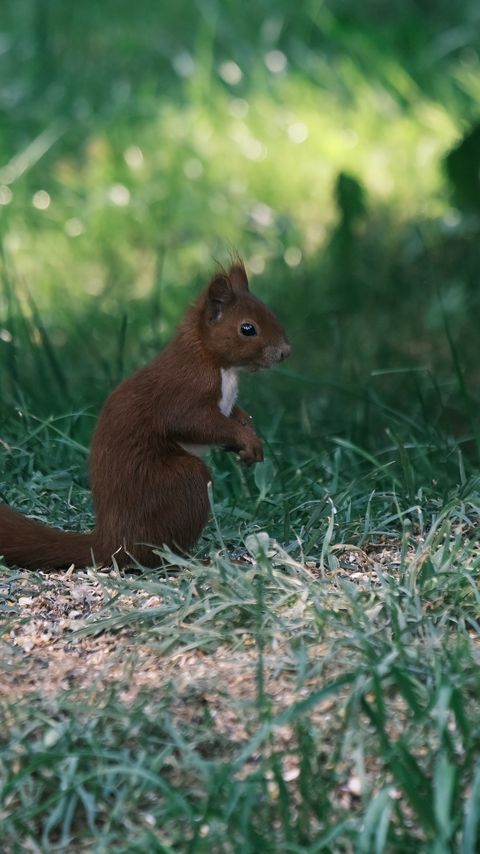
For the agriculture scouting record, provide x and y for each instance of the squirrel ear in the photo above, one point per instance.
(238, 276)
(220, 294)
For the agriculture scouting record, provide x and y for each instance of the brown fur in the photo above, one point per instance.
(147, 490)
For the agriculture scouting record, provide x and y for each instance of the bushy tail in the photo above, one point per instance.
(32, 545)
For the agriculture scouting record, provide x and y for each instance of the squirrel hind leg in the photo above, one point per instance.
(185, 507)
(175, 518)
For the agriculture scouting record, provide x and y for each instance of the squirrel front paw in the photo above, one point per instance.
(251, 450)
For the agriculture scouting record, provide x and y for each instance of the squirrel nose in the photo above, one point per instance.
(285, 350)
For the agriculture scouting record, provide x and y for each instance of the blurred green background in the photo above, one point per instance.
(335, 145)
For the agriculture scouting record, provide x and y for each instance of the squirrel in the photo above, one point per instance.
(148, 479)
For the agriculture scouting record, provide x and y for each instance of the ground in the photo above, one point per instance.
(279, 670)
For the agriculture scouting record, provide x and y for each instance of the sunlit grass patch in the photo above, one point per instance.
(188, 179)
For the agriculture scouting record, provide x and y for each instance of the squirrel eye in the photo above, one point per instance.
(248, 329)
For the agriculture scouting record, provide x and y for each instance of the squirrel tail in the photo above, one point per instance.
(32, 545)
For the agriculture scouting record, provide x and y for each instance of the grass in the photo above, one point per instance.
(308, 680)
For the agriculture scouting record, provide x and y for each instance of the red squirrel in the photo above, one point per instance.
(149, 482)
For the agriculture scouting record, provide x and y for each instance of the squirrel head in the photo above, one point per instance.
(237, 328)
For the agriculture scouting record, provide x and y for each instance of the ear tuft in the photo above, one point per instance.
(238, 276)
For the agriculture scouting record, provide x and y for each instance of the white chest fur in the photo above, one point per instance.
(229, 391)
(228, 396)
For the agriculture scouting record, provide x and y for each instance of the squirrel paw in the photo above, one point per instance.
(252, 452)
